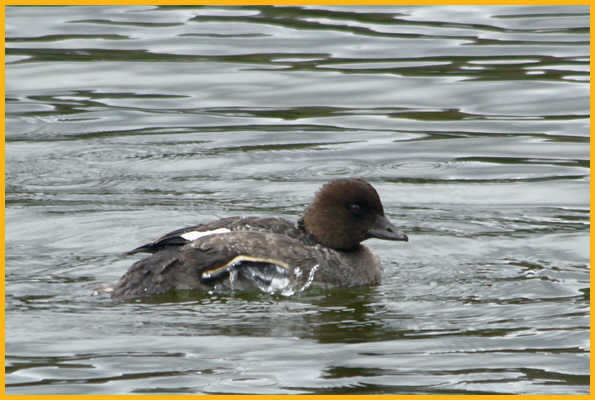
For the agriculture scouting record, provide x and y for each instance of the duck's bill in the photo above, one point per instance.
(384, 229)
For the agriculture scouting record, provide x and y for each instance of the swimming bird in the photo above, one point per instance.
(271, 254)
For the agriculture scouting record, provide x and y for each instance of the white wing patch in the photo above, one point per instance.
(193, 235)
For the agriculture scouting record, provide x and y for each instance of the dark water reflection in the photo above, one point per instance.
(123, 123)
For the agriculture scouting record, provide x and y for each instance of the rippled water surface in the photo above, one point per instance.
(124, 123)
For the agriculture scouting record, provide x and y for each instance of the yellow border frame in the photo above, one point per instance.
(251, 2)
(2, 194)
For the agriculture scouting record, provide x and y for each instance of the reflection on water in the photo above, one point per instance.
(124, 123)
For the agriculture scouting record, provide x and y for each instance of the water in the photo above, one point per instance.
(123, 123)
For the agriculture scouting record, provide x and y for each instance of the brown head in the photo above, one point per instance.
(345, 212)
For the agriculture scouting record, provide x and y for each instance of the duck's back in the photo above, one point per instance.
(183, 236)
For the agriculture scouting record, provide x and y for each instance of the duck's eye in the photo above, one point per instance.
(356, 209)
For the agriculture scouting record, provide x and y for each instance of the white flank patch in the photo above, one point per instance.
(193, 235)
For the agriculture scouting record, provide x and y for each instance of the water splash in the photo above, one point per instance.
(290, 291)
(310, 277)
(272, 279)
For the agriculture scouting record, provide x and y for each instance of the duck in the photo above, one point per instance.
(323, 248)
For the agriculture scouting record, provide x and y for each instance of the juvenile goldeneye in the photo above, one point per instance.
(323, 248)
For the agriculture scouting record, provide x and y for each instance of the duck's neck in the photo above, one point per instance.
(312, 239)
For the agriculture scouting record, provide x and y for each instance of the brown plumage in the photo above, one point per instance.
(242, 253)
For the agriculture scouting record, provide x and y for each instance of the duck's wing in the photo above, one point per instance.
(236, 260)
(183, 236)
(174, 238)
